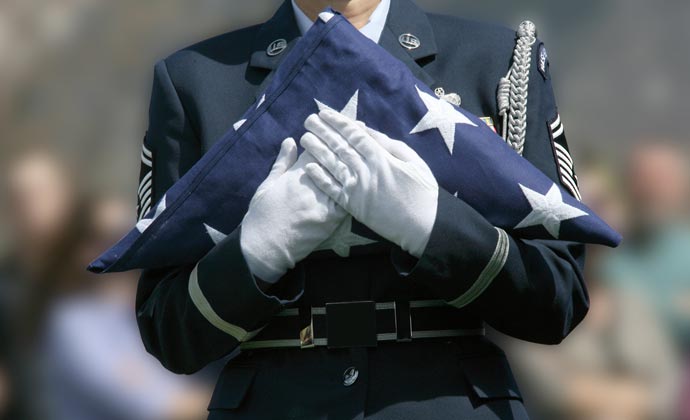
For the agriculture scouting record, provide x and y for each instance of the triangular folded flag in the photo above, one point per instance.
(335, 66)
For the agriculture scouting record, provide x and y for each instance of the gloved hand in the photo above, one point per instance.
(382, 182)
(288, 217)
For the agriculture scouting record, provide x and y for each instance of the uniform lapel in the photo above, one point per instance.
(405, 17)
(281, 26)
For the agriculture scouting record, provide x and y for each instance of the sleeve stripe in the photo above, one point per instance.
(146, 151)
(202, 304)
(569, 179)
(146, 180)
(143, 209)
(494, 266)
(564, 155)
(571, 185)
(146, 161)
(564, 162)
(143, 189)
(562, 152)
(146, 191)
(556, 123)
(565, 166)
(146, 196)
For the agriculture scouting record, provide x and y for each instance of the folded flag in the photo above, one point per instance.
(335, 66)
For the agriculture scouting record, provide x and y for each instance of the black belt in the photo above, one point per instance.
(363, 324)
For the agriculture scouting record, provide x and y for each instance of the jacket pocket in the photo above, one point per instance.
(489, 378)
(232, 387)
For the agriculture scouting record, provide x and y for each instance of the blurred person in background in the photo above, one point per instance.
(654, 260)
(44, 211)
(5, 390)
(620, 363)
(45, 215)
(95, 364)
(70, 346)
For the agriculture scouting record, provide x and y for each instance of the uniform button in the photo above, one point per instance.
(350, 376)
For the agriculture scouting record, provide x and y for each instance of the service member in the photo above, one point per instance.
(300, 329)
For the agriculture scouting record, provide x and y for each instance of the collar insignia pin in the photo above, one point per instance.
(409, 41)
(276, 47)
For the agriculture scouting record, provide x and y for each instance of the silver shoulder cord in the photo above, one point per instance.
(512, 89)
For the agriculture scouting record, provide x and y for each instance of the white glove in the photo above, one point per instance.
(288, 217)
(382, 182)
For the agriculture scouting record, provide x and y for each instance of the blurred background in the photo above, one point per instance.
(74, 90)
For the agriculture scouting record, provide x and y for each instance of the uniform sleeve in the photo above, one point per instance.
(530, 289)
(189, 316)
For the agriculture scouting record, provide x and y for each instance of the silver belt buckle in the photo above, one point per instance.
(351, 324)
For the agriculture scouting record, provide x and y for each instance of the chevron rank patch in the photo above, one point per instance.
(564, 162)
(145, 190)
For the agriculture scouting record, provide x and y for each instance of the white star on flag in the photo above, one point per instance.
(548, 210)
(143, 224)
(261, 101)
(239, 123)
(350, 109)
(442, 116)
(343, 239)
(215, 234)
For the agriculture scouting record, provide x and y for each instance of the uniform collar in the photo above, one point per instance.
(282, 25)
(404, 17)
(372, 30)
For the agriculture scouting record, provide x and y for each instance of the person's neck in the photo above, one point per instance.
(357, 12)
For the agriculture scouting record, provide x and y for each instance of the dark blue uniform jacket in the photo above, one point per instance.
(539, 295)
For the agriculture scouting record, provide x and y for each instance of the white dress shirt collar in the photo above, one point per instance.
(372, 30)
